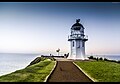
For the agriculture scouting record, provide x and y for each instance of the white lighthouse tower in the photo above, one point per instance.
(77, 41)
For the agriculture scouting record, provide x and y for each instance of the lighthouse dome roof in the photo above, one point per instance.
(77, 25)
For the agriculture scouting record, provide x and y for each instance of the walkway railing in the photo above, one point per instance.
(78, 37)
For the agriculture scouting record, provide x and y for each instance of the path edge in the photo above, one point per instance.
(47, 77)
(84, 72)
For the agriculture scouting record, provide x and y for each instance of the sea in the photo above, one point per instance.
(10, 62)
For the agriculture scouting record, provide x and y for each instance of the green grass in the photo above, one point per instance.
(33, 73)
(102, 71)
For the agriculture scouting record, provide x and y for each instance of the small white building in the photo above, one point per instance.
(77, 41)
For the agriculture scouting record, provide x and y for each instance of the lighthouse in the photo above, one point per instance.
(77, 41)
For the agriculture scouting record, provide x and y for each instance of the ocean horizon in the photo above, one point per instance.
(10, 62)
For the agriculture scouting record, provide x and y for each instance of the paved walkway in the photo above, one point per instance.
(66, 71)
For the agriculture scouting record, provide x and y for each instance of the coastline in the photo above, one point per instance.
(26, 73)
(11, 62)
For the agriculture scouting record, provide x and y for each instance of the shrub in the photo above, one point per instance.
(94, 58)
(118, 61)
(105, 59)
(91, 57)
(38, 59)
(112, 60)
(97, 58)
(52, 58)
(100, 58)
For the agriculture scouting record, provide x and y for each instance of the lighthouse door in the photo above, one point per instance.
(73, 53)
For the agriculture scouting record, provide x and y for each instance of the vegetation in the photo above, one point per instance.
(91, 57)
(105, 59)
(38, 59)
(102, 71)
(34, 73)
(94, 58)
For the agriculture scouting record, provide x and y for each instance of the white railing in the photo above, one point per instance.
(78, 37)
(86, 36)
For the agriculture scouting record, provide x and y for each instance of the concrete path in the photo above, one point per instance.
(66, 71)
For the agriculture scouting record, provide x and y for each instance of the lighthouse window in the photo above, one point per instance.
(73, 43)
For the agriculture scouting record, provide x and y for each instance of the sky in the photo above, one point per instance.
(43, 27)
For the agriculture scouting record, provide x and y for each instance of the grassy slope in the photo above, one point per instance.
(102, 71)
(33, 73)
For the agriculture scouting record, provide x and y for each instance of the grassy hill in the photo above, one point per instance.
(102, 71)
(36, 72)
